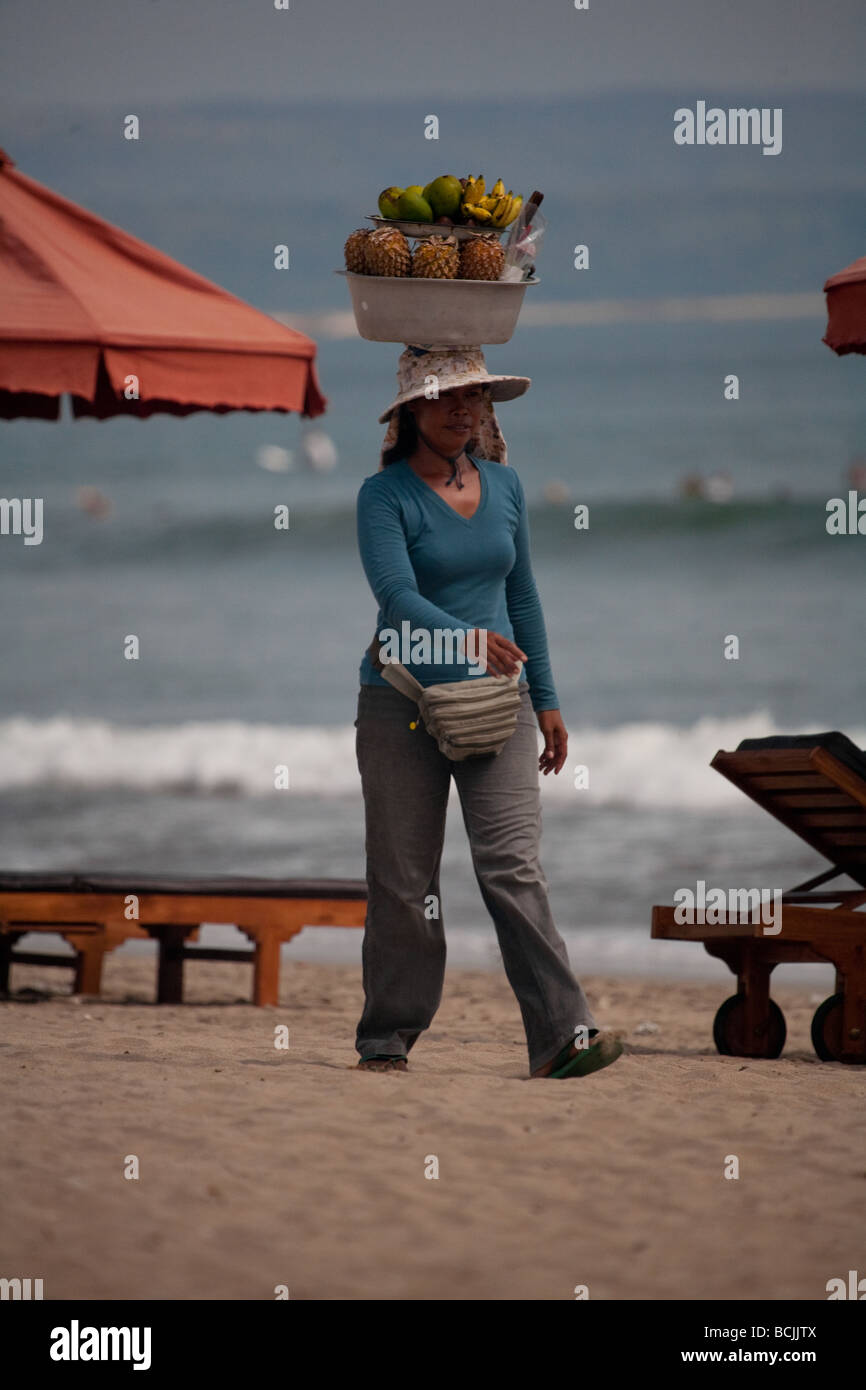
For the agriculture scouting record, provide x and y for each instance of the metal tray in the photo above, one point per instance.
(422, 229)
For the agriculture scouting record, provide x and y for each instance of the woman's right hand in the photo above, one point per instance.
(502, 654)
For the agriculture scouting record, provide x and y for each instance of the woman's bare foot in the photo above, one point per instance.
(384, 1064)
(548, 1066)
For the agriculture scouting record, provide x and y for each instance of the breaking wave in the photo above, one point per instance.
(640, 765)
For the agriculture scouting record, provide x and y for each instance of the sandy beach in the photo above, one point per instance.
(261, 1167)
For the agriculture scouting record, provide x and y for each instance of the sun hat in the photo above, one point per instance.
(452, 367)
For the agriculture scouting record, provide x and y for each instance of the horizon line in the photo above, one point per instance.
(718, 308)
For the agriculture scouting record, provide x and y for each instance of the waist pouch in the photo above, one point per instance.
(469, 719)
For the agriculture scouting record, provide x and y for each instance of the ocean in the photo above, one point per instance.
(250, 638)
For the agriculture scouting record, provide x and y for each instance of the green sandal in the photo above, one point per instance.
(603, 1049)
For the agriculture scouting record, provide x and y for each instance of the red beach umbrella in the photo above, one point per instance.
(87, 309)
(846, 309)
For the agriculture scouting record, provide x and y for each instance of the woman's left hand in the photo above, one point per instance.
(555, 740)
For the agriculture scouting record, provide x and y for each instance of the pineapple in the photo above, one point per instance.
(388, 252)
(436, 258)
(355, 250)
(481, 258)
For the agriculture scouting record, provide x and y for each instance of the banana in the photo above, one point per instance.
(506, 213)
(470, 195)
(516, 205)
(500, 209)
(475, 203)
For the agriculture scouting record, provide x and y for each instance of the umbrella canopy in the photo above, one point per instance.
(846, 309)
(84, 307)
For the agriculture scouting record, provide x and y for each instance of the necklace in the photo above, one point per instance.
(449, 458)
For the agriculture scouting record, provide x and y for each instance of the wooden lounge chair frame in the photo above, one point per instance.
(90, 913)
(822, 800)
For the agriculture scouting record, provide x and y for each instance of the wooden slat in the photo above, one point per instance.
(814, 925)
(819, 924)
(808, 801)
(796, 781)
(42, 958)
(665, 926)
(840, 820)
(156, 909)
(54, 924)
(849, 781)
(773, 760)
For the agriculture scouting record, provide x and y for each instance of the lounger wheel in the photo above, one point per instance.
(729, 1033)
(827, 1031)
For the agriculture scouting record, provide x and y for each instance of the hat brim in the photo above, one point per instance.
(502, 388)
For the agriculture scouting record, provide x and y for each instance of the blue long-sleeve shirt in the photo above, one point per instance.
(435, 569)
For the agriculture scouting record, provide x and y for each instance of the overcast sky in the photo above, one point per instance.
(127, 52)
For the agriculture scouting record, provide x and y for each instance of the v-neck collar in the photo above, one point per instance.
(468, 520)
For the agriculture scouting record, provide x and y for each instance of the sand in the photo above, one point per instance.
(261, 1167)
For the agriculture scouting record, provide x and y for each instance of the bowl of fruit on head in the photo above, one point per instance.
(448, 287)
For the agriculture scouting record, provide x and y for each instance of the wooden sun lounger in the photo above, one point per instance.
(816, 785)
(89, 912)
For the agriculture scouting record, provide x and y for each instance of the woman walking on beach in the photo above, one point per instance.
(444, 541)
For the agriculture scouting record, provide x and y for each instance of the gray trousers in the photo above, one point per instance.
(405, 780)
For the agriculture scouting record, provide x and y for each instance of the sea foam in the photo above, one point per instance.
(641, 764)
